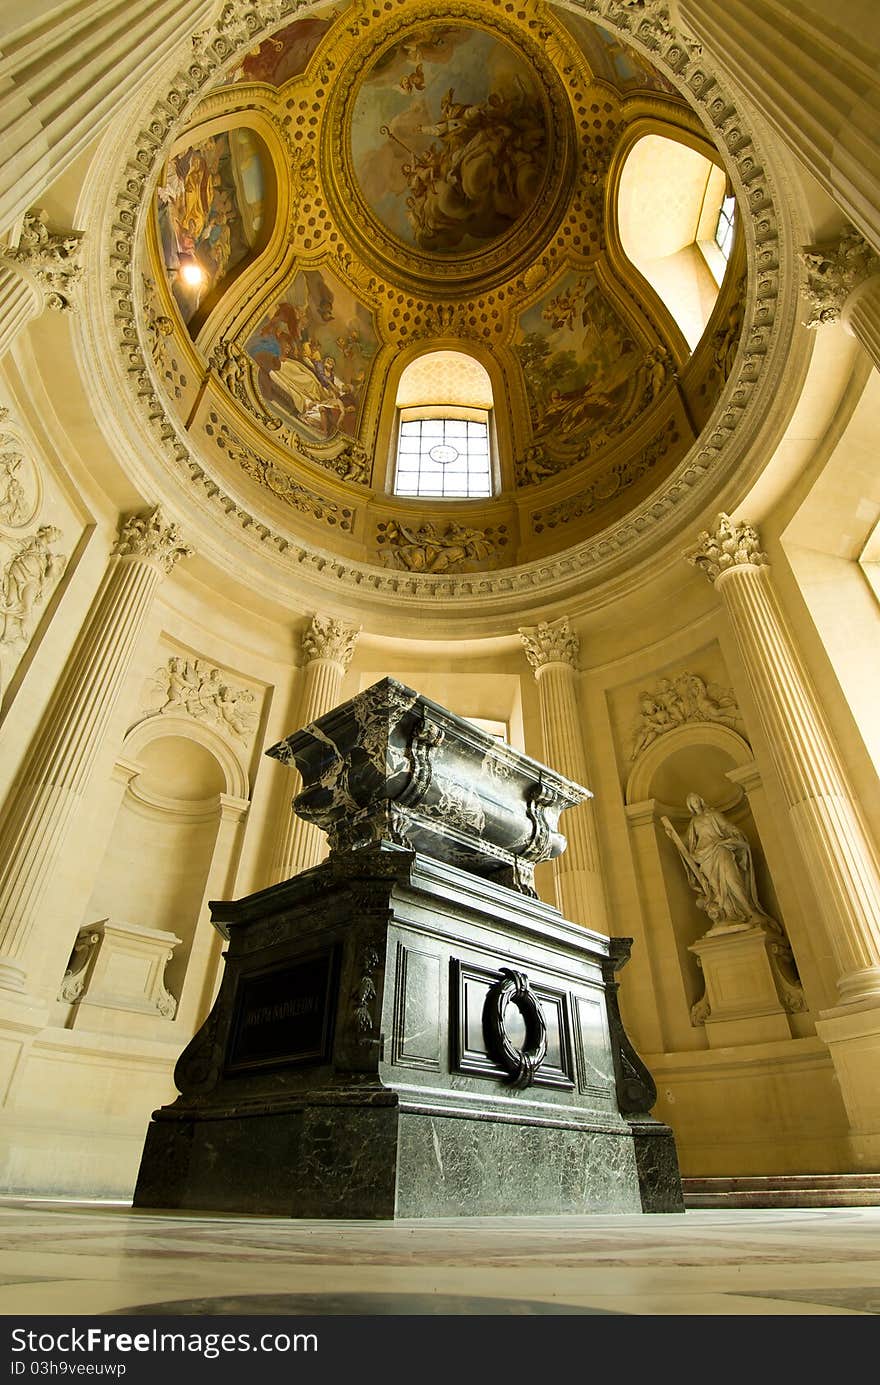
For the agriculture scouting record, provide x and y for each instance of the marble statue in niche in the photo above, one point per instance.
(717, 859)
(25, 581)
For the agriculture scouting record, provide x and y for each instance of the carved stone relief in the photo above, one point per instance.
(30, 570)
(200, 689)
(832, 271)
(439, 548)
(675, 701)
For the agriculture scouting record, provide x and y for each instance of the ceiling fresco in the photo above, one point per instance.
(210, 208)
(313, 352)
(367, 185)
(287, 53)
(449, 138)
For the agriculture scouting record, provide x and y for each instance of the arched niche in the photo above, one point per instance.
(709, 759)
(162, 849)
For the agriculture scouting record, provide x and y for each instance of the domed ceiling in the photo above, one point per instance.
(370, 184)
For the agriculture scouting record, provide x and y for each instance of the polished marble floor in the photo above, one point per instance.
(96, 1259)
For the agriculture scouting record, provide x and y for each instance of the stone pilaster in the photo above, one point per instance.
(813, 81)
(66, 70)
(552, 649)
(842, 284)
(39, 272)
(57, 769)
(328, 646)
(837, 855)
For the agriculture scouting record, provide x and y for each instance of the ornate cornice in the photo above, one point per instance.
(49, 258)
(152, 538)
(833, 271)
(730, 544)
(329, 638)
(551, 642)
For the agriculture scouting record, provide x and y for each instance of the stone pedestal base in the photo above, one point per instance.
(115, 967)
(748, 996)
(852, 1034)
(394, 1037)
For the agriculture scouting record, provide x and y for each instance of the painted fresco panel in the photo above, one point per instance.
(211, 209)
(579, 362)
(449, 138)
(313, 353)
(287, 53)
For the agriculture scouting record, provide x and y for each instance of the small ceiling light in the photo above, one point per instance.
(191, 271)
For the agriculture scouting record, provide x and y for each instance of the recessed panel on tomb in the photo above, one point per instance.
(470, 991)
(284, 1015)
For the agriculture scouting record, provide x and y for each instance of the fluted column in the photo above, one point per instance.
(816, 84)
(836, 852)
(842, 283)
(552, 650)
(66, 70)
(50, 785)
(328, 646)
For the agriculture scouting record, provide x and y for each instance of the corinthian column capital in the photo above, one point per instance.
(731, 544)
(49, 259)
(152, 538)
(329, 638)
(551, 642)
(833, 271)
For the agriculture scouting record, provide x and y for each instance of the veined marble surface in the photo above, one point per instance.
(70, 1258)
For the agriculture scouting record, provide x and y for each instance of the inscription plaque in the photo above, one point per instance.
(284, 1015)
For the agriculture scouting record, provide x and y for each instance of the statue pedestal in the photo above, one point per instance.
(748, 997)
(364, 1058)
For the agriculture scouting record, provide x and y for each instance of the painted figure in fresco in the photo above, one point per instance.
(296, 370)
(481, 174)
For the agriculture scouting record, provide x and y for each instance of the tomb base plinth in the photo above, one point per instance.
(396, 1037)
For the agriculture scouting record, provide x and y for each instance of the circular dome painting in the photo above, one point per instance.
(449, 139)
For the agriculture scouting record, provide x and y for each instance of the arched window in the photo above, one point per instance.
(444, 428)
(676, 223)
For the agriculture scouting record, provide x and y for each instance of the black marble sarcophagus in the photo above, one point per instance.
(406, 1030)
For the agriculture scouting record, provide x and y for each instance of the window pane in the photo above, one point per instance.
(443, 457)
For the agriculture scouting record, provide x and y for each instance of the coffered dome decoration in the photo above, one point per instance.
(417, 186)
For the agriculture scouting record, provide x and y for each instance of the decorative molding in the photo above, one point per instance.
(152, 538)
(329, 638)
(832, 271)
(50, 258)
(730, 544)
(551, 642)
(684, 698)
(597, 490)
(279, 482)
(198, 688)
(25, 581)
(435, 548)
